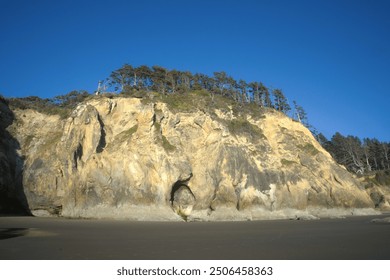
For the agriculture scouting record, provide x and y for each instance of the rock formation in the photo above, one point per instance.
(128, 158)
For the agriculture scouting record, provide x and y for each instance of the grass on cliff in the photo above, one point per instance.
(161, 139)
(203, 100)
(122, 137)
(126, 134)
(287, 162)
(308, 149)
(44, 106)
(181, 103)
(166, 145)
(61, 105)
(188, 102)
(240, 125)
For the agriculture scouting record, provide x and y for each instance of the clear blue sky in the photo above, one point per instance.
(332, 57)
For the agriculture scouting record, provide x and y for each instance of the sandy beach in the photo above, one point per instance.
(324, 239)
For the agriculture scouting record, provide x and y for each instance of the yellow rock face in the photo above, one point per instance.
(118, 157)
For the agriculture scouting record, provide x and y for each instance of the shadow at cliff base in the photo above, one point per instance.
(13, 200)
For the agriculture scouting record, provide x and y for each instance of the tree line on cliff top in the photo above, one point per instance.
(358, 156)
(144, 79)
(166, 82)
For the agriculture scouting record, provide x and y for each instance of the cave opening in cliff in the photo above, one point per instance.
(176, 186)
(181, 193)
(182, 199)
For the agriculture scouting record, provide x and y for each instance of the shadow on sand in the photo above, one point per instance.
(6, 233)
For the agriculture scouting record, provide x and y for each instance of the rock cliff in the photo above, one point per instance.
(127, 158)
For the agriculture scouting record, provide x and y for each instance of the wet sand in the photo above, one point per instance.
(325, 239)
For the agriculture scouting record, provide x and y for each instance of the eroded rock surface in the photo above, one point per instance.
(116, 157)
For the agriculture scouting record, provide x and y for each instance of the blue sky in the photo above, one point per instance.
(332, 57)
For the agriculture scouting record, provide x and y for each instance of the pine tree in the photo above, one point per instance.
(159, 79)
(266, 95)
(300, 114)
(220, 79)
(281, 103)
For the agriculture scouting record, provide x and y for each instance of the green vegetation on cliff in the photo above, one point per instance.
(360, 157)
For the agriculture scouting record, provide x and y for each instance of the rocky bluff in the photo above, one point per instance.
(127, 158)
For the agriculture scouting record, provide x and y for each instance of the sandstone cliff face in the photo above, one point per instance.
(126, 158)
